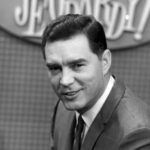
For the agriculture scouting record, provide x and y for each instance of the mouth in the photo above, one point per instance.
(70, 94)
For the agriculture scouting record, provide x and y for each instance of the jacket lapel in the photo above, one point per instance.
(64, 127)
(103, 116)
(68, 133)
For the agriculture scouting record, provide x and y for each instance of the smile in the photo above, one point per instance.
(70, 94)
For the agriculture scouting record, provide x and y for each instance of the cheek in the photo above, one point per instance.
(93, 81)
(55, 83)
(89, 81)
(91, 76)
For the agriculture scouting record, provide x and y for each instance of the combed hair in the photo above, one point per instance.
(67, 26)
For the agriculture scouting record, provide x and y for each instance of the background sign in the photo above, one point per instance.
(126, 22)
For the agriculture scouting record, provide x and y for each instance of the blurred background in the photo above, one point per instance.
(26, 96)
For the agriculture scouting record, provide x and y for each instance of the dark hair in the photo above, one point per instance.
(66, 26)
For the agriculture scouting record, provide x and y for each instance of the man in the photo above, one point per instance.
(76, 54)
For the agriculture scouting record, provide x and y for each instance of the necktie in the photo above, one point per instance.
(79, 129)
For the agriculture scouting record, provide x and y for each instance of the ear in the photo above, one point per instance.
(106, 61)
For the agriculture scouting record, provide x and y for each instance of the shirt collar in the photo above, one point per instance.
(90, 115)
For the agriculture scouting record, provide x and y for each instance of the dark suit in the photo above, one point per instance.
(122, 124)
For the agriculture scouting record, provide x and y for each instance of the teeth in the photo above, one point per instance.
(71, 93)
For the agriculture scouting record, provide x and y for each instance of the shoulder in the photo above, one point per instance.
(131, 121)
(133, 113)
(134, 116)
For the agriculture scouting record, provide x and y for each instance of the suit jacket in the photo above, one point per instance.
(123, 123)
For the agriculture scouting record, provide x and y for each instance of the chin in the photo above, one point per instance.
(71, 106)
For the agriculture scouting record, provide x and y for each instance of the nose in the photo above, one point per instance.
(66, 78)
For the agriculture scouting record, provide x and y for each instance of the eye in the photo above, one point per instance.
(77, 66)
(54, 69)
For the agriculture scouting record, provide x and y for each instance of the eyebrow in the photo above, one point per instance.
(69, 62)
(81, 60)
(50, 65)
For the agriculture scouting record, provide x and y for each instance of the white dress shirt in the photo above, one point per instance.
(90, 115)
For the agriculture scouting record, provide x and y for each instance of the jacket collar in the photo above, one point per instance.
(104, 115)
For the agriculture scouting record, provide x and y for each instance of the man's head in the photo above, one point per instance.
(78, 60)
(70, 25)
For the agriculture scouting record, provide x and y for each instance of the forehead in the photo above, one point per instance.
(77, 47)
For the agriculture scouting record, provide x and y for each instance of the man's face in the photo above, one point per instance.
(76, 73)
